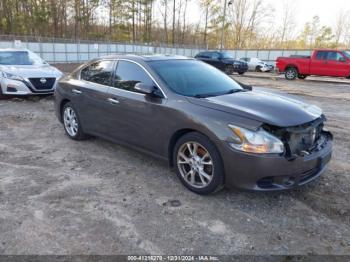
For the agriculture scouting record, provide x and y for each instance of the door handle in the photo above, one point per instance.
(76, 91)
(113, 101)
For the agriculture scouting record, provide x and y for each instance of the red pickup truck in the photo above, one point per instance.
(323, 62)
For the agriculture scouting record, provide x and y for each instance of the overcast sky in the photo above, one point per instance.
(327, 10)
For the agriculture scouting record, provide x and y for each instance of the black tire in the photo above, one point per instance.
(241, 73)
(228, 69)
(258, 69)
(217, 180)
(291, 73)
(302, 76)
(80, 135)
(1, 95)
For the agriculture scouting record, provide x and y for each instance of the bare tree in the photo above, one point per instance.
(341, 26)
(288, 25)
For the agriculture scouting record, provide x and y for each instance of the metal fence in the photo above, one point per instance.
(70, 51)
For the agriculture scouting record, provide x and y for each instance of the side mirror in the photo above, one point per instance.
(147, 89)
(341, 59)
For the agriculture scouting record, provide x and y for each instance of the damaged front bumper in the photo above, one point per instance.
(276, 172)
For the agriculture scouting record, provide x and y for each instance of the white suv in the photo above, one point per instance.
(22, 72)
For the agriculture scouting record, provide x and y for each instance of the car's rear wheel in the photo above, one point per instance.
(302, 76)
(241, 73)
(291, 73)
(71, 123)
(198, 164)
(229, 69)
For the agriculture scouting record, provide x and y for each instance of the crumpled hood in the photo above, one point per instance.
(28, 71)
(264, 107)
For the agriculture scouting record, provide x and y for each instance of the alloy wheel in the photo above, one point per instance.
(70, 121)
(291, 73)
(195, 164)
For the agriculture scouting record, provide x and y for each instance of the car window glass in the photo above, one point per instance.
(321, 55)
(215, 55)
(334, 56)
(206, 55)
(100, 72)
(128, 74)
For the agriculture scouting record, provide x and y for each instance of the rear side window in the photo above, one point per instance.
(215, 55)
(203, 55)
(321, 55)
(128, 74)
(99, 72)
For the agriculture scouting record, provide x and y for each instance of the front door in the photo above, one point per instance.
(133, 118)
(337, 64)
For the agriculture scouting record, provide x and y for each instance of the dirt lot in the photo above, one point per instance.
(93, 197)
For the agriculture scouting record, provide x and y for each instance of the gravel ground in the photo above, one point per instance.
(58, 196)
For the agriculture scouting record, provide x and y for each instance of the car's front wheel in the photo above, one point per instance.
(198, 164)
(71, 123)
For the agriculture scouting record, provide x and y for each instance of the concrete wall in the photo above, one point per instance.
(56, 53)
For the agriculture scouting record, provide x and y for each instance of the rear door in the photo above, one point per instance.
(206, 57)
(216, 60)
(95, 79)
(132, 117)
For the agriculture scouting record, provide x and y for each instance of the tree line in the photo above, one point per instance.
(247, 24)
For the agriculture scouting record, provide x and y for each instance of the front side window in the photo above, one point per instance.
(347, 54)
(99, 72)
(334, 56)
(194, 78)
(227, 55)
(128, 74)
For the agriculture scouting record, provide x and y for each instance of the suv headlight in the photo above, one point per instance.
(260, 141)
(11, 76)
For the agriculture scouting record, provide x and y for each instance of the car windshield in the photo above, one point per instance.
(194, 78)
(226, 55)
(20, 58)
(347, 54)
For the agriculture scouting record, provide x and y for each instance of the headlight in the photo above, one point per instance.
(260, 141)
(11, 76)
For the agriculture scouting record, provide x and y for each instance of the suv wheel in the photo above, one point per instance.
(291, 73)
(229, 69)
(198, 164)
(258, 69)
(71, 123)
(1, 94)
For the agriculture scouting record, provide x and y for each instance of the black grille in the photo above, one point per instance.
(41, 84)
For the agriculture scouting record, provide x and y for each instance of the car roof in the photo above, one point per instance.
(145, 58)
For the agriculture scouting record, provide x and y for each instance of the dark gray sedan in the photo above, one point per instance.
(213, 130)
